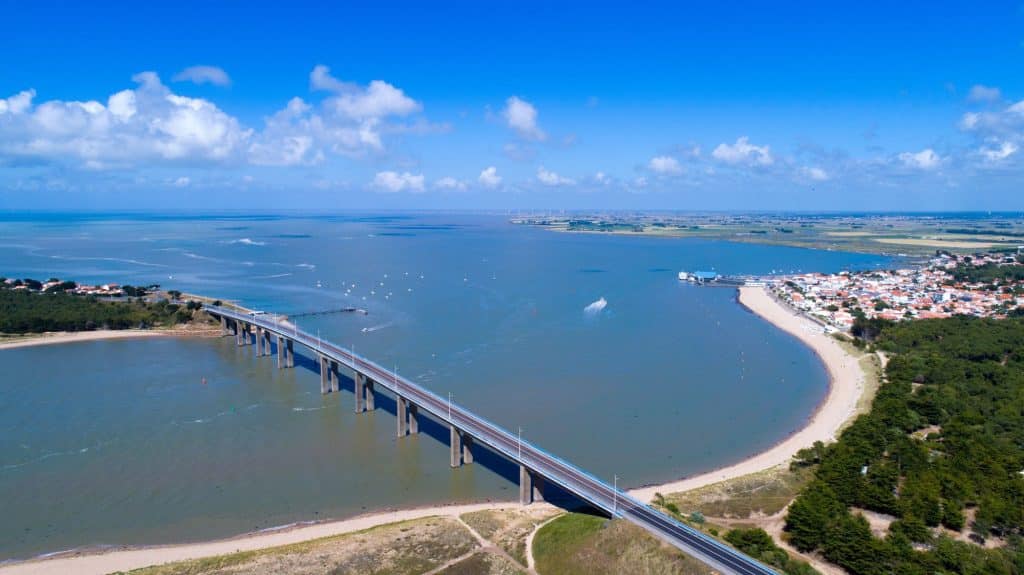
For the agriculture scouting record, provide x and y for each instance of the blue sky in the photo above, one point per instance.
(747, 105)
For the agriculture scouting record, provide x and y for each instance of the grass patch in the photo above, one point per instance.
(508, 529)
(483, 563)
(405, 548)
(580, 544)
(763, 493)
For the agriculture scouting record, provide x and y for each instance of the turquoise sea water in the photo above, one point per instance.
(120, 442)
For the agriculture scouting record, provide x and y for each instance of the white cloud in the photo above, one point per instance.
(182, 182)
(398, 182)
(377, 100)
(148, 123)
(489, 177)
(926, 159)
(1003, 151)
(980, 93)
(814, 173)
(203, 75)
(449, 183)
(602, 178)
(522, 117)
(743, 152)
(549, 178)
(17, 103)
(350, 122)
(665, 165)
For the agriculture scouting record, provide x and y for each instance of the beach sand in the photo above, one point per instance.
(51, 338)
(847, 384)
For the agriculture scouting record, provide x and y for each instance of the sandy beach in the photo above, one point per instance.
(847, 384)
(52, 338)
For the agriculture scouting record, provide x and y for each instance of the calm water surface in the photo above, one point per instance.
(120, 442)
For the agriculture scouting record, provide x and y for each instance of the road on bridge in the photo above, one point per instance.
(569, 477)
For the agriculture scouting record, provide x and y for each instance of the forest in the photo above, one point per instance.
(24, 311)
(941, 452)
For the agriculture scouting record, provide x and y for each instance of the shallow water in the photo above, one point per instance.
(120, 442)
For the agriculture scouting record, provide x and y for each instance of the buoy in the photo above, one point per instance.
(204, 381)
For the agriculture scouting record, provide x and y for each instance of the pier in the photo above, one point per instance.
(469, 432)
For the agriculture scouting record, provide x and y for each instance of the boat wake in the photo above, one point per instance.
(596, 307)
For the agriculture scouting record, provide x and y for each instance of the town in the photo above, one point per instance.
(982, 285)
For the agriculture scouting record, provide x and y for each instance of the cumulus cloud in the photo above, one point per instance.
(814, 173)
(450, 183)
(549, 178)
(350, 122)
(398, 182)
(489, 177)
(980, 93)
(203, 75)
(17, 103)
(665, 165)
(522, 117)
(146, 123)
(743, 152)
(926, 159)
(182, 182)
(1001, 152)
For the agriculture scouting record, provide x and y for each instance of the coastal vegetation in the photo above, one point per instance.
(408, 547)
(940, 456)
(24, 311)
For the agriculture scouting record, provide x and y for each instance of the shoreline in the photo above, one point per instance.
(59, 337)
(839, 406)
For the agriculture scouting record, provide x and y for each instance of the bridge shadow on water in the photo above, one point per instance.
(438, 430)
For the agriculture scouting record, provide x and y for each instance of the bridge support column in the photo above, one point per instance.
(290, 351)
(280, 352)
(325, 374)
(525, 486)
(360, 390)
(335, 379)
(238, 333)
(414, 422)
(467, 448)
(259, 341)
(538, 488)
(403, 418)
(456, 446)
(223, 325)
(369, 395)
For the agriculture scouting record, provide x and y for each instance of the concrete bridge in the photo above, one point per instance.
(468, 430)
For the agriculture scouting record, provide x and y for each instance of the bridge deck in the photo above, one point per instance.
(550, 467)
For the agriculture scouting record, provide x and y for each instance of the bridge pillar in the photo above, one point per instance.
(403, 419)
(456, 446)
(325, 374)
(238, 333)
(223, 325)
(335, 379)
(538, 487)
(369, 395)
(290, 352)
(467, 451)
(259, 341)
(280, 352)
(360, 391)
(414, 423)
(525, 486)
